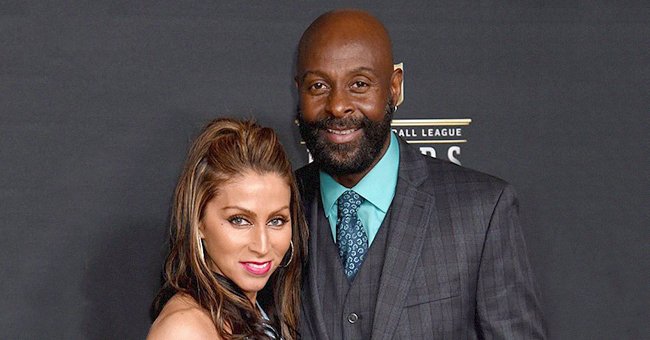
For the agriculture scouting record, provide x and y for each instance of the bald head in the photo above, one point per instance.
(341, 28)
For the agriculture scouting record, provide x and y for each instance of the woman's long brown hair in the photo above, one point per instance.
(224, 150)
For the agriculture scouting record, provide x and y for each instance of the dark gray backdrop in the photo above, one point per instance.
(99, 101)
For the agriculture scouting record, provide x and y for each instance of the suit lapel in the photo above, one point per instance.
(410, 219)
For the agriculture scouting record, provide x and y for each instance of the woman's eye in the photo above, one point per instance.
(277, 222)
(238, 221)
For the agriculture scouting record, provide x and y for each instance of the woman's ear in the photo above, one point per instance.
(200, 231)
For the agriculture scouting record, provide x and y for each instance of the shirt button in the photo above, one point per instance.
(353, 317)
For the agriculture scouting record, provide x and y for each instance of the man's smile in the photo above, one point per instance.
(340, 136)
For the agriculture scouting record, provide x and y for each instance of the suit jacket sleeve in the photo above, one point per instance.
(507, 303)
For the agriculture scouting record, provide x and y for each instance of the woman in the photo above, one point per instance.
(237, 227)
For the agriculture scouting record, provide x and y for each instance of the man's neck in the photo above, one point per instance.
(350, 180)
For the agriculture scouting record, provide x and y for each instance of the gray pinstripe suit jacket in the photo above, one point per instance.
(455, 262)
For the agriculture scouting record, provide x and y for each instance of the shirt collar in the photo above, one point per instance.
(372, 186)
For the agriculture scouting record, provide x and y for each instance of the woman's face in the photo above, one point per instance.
(246, 229)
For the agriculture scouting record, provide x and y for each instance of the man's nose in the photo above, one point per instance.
(339, 103)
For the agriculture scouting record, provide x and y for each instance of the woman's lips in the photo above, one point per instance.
(257, 268)
(340, 136)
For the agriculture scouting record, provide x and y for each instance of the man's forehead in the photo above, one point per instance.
(344, 56)
(342, 49)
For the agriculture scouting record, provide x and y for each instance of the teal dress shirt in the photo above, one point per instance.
(377, 188)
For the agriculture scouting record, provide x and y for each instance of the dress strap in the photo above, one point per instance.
(268, 329)
(262, 312)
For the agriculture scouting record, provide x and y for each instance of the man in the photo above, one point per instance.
(419, 248)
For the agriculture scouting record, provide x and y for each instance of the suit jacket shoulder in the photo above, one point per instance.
(437, 176)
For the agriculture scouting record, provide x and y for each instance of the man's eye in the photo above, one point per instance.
(359, 83)
(317, 86)
(238, 221)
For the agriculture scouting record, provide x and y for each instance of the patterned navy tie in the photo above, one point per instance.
(350, 235)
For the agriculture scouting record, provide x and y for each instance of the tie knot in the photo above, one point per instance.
(349, 202)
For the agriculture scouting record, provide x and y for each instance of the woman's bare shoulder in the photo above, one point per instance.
(182, 318)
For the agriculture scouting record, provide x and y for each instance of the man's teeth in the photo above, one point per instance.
(341, 132)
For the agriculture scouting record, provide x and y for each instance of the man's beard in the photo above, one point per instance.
(347, 158)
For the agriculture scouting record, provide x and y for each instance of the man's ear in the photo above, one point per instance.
(296, 82)
(397, 85)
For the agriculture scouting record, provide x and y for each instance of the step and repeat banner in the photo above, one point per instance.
(100, 100)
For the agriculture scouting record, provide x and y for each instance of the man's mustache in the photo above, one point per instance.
(339, 123)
